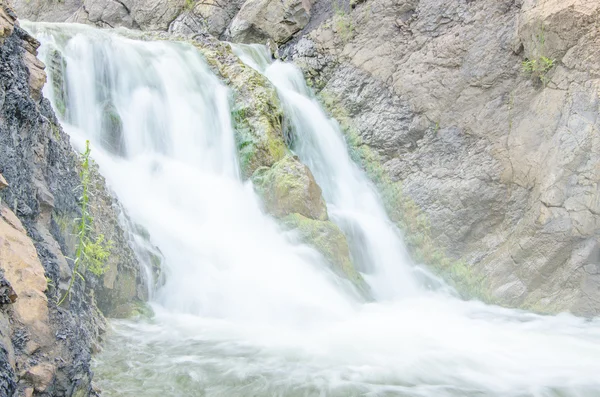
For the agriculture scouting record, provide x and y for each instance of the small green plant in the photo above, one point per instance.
(343, 23)
(538, 68)
(189, 4)
(90, 254)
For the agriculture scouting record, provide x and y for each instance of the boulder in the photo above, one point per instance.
(260, 20)
(327, 238)
(25, 275)
(289, 187)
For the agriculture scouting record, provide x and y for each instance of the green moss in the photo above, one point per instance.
(289, 187)
(405, 213)
(133, 309)
(257, 113)
(342, 22)
(56, 70)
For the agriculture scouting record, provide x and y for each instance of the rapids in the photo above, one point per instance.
(247, 310)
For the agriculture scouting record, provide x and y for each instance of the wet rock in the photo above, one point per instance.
(330, 241)
(257, 112)
(57, 73)
(289, 187)
(7, 374)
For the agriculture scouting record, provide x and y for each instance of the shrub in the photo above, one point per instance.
(90, 254)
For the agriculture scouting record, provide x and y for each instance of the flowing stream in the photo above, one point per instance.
(246, 309)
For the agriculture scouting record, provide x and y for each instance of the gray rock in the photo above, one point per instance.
(139, 14)
(260, 20)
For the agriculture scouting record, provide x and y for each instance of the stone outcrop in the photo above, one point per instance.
(212, 16)
(239, 21)
(289, 187)
(497, 157)
(261, 20)
(139, 14)
(45, 349)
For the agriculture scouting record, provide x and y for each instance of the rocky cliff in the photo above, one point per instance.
(478, 119)
(484, 114)
(45, 349)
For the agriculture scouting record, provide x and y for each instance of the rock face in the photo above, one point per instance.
(139, 14)
(485, 113)
(212, 16)
(38, 205)
(260, 20)
(249, 21)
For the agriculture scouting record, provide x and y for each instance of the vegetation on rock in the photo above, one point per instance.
(289, 187)
(90, 254)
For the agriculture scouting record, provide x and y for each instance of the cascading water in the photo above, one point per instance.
(245, 310)
(352, 201)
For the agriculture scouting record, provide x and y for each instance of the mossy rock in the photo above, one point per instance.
(289, 187)
(113, 126)
(56, 69)
(133, 309)
(257, 112)
(327, 238)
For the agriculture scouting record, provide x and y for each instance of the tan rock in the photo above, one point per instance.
(22, 268)
(7, 24)
(550, 27)
(37, 76)
(3, 183)
(40, 376)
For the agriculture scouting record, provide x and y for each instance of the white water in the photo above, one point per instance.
(352, 201)
(246, 310)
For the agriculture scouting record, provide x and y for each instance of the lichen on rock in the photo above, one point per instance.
(289, 187)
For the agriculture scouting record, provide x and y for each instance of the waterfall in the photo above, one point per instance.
(246, 309)
(353, 202)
